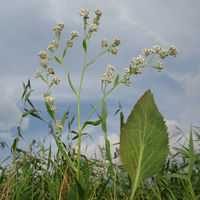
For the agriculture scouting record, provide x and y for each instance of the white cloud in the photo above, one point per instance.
(10, 113)
(5, 135)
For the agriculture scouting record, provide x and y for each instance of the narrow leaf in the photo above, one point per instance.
(104, 116)
(84, 45)
(93, 123)
(191, 155)
(64, 118)
(143, 141)
(51, 113)
(29, 112)
(64, 52)
(70, 83)
(57, 60)
(116, 80)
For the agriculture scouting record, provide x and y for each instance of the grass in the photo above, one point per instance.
(39, 174)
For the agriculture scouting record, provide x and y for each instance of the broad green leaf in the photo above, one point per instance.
(143, 141)
(84, 45)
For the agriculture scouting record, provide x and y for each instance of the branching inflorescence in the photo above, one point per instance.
(152, 57)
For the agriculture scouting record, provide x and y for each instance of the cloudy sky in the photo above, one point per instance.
(26, 28)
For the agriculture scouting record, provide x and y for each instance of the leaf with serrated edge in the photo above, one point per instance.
(144, 141)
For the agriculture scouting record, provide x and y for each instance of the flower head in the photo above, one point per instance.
(58, 29)
(92, 27)
(98, 12)
(114, 51)
(159, 66)
(42, 54)
(74, 34)
(84, 13)
(126, 81)
(38, 73)
(104, 43)
(117, 42)
(56, 80)
(69, 43)
(50, 100)
(139, 60)
(50, 70)
(126, 71)
(44, 62)
(147, 51)
(173, 50)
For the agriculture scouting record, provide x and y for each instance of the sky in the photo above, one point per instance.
(26, 28)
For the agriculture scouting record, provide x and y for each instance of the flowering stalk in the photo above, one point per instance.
(137, 64)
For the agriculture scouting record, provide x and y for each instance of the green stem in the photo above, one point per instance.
(106, 94)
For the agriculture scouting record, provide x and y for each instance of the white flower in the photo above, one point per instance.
(98, 12)
(147, 52)
(84, 13)
(117, 42)
(50, 48)
(38, 73)
(42, 54)
(173, 50)
(110, 68)
(56, 80)
(106, 78)
(74, 34)
(50, 100)
(137, 70)
(127, 81)
(54, 44)
(57, 29)
(126, 71)
(93, 27)
(159, 66)
(157, 49)
(139, 60)
(44, 62)
(50, 70)
(114, 51)
(58, 125)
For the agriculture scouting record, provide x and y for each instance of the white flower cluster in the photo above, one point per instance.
(159, 66)
(126, 80)
(44, 59)
(50, 99)
(52, 46)
(84, 13)
(56, 80)
(92, 27)
(113, 48)
(138, 63)
(108, 77)
(74, 34)
(173, 51)
(58, 29)
(38, 73)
